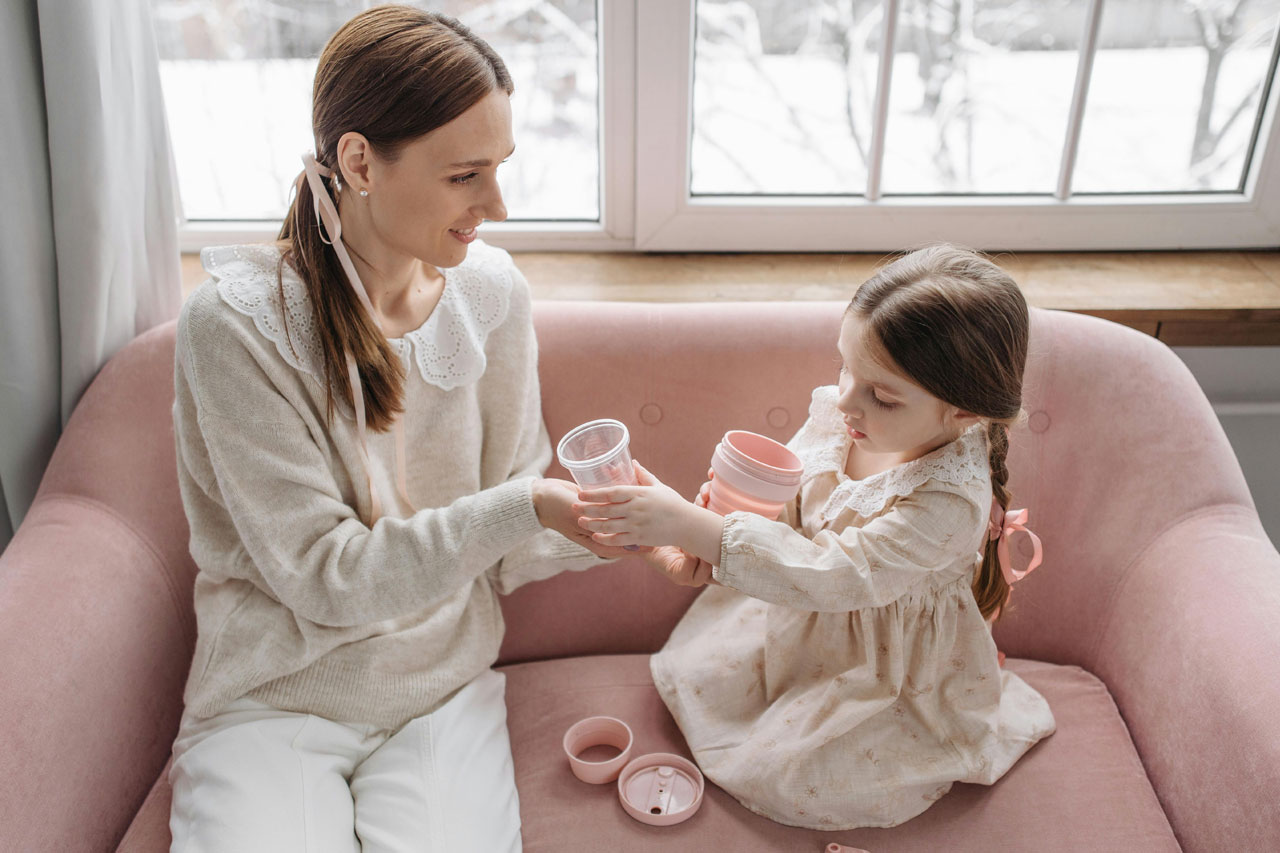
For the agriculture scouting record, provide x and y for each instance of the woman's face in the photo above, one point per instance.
(885, 412)
(429, 202)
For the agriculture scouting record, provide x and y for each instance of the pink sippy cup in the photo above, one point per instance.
(753, 473)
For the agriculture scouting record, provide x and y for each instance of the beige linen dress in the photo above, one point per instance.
(842, 675)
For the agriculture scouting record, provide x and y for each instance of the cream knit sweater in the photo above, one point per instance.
(299, 603)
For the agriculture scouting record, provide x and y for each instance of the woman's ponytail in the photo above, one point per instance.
(342, 323)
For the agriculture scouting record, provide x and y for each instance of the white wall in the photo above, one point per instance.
(1243, 383)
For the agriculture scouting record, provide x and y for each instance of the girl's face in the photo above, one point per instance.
(429, 202)
(885, 412)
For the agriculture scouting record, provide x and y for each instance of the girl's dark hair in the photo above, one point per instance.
(956, 324)
(393, 74)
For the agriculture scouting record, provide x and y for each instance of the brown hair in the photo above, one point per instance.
(393, 74)
(956, 325)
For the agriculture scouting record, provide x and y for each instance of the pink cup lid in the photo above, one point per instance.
(660, 789)
(597, 731)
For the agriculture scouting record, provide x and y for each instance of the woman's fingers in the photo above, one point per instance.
(615, 539)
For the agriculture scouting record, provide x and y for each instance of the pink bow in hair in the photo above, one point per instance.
(1004, 524)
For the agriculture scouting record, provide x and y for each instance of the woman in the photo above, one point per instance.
(360, 444)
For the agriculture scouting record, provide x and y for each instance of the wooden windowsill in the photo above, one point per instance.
(1226, 298)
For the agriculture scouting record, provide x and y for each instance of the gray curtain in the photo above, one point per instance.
(88, 225)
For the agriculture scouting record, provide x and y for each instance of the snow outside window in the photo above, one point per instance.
(792, 124)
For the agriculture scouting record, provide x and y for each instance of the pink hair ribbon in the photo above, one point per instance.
(327, 220)
(1003, 524)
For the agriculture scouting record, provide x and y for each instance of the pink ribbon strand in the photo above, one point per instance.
(1003, 524)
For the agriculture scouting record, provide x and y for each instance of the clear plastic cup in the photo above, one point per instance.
(598, 454)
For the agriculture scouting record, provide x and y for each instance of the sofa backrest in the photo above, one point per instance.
(679, 376)
(1117, 443)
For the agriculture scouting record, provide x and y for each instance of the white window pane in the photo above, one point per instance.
(980, 96)
(1176, 90)
(237, 80)
(782, 96)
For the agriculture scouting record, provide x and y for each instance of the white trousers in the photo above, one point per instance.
(254, 778)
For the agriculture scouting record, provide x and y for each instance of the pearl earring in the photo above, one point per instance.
(364, 193)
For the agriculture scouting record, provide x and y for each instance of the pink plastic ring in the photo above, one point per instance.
(598, 731)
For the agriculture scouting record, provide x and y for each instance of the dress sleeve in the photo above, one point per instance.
(298, 538)
(869, 566)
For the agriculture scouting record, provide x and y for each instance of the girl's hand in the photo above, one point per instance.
(649, 514)
(553, 501)
(704, 491)
(679, 567)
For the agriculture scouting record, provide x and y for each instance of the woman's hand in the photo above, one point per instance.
(650, 514)
(679, 567)
(553, 501)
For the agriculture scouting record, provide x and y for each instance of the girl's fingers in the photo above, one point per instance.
(616, 495)
(603, 525)
(600, 510)
(643, 477)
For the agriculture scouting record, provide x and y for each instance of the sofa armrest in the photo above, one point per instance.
(1190, 648)
(95, 640)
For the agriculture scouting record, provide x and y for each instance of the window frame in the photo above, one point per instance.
(616, 66)
(669, 218)
(645, 65)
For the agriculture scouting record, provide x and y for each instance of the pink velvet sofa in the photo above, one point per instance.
(1153, 628)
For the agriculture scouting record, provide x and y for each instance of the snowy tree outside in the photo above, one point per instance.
(980, 95)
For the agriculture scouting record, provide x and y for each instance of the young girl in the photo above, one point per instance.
(841, 673)
(360, 442)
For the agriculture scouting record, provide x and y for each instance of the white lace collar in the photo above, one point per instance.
(448, 348)
(827, 446)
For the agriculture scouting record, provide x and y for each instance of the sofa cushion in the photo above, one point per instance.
(149, 832)
(1083, 788)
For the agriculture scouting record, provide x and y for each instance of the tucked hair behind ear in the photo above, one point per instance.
(393, 74)
(957, 325)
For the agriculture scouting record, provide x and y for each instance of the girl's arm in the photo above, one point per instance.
(859, 567)
(650, 514)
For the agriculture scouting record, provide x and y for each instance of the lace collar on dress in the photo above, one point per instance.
(448, 348)
(958, 462)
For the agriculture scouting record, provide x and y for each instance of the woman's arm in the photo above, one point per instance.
(253, 462)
